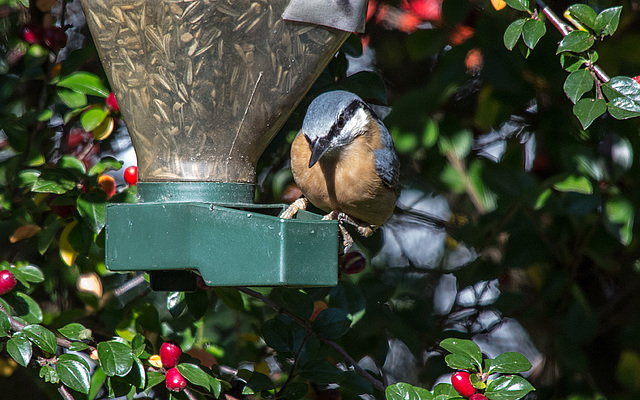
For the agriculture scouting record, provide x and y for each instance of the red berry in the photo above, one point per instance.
(202, 285)
(174, 380)
(636, 78)
(7, 281)
(170, 353)
(461, 382)
(131, 175)
(60, 210)
(55, 38)
(112, 103)
(478, 396)
(352, 263)
(32, 33)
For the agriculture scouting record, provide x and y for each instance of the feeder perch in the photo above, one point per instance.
(204, 86)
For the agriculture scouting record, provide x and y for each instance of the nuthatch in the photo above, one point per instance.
(344, 162)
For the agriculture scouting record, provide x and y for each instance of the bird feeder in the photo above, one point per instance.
(203, 87)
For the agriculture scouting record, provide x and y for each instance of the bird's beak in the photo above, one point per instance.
(318, 149)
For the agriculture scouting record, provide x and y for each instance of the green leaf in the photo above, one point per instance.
(75, 331)
(367, 85)
(577, 84)
(465, 347)
(511, 387)
(176, 303)
(294, 390)
(92, 207)
(48, 234)
(49, 374)
(576, 41)
(72, 99)
(405, 391)
(607, 21)
(54, 181)
(621, 86)
(520, 5)
(73, 372)
(430, 134)
(532, 31)
(509, 363)
(513, 33)
(29, 273)
(293, 300)
(624, 97)
(90, 119)
(72, 163)
(97, 382)
(153, 378)
(584, 14)
(321, 372)
(278, 335)
(194, 374)
(620, 214)
(460, 361)
(198, 303)
(138, 345)
(215, 386)
(587, 110)
(575, 184)
(571, 62)
(105, 164)
(78, 346)
(231, 297)
(27, 177)
(258, 382)
(41, 337)
(331, 323)
(19, 348)
(25, 308)
(459, 143)
(115, 357)
(5, 325)
(84, 82)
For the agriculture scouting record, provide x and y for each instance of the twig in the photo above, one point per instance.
(307, 325)
(471, 190)
(19, 326)
(65, 393)
(564, 29)
(189, 395)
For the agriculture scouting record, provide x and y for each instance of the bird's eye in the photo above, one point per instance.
(340, 122)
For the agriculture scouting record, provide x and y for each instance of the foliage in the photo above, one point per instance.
(539, 225)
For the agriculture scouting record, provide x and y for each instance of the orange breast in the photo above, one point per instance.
(344, 180)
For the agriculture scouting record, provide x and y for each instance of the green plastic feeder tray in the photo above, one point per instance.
(203, 88)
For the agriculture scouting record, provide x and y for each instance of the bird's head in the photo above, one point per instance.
(333, 120)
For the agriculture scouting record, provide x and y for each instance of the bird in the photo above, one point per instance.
(344, 162)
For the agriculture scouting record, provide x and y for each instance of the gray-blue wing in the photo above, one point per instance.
(387, 163)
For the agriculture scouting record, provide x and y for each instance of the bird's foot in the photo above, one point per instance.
(292, 210)
(363, 228)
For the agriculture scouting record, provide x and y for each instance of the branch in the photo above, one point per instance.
(65, 393)
(19, 326)
(307, 325)
(564, 29)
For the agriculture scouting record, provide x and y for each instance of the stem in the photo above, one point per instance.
(296, 357)
(189, 395)
(472, 192)
(65, 393)
(18, 327)
(307, 325)
(564, 29)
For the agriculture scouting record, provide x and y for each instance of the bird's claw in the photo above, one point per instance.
(292, 210)
(363, 228)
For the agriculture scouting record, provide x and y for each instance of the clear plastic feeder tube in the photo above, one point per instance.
(205, 85)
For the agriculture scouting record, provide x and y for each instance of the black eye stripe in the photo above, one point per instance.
(345, 116)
